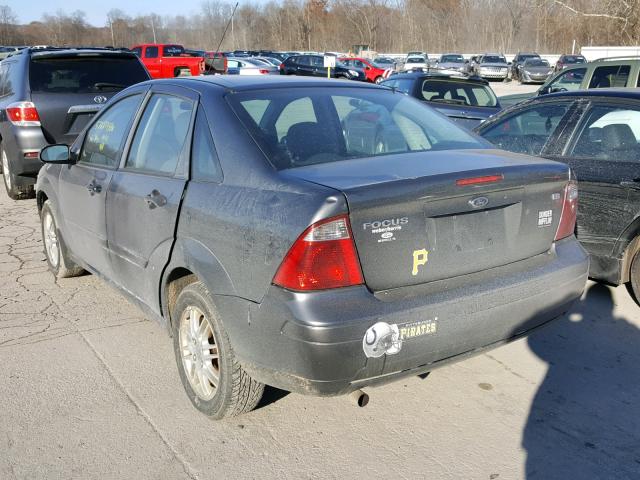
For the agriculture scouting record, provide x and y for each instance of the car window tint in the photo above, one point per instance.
(609, 133)
(305, 60)
(527, 131)
(298, 111)
(104, 139)
(81, 74)
(403, 85)
(256, 109)
(457, 93)
(137, 51)
(160, 135)
(151, 52)
(610, 76)
(317, 61)
(569, 80)
(327, 125)
(204, 159)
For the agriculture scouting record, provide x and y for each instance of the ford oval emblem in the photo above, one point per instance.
(100, 99)
(479, 202)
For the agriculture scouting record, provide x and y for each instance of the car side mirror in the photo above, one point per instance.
(59, 154)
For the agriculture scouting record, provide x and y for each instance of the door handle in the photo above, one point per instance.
(155, 199)
(94, 188)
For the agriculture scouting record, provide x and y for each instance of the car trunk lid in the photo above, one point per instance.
(423, 217)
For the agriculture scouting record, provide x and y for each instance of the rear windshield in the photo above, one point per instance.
(173, 50)
(306, 126)
(570, 59)
(416, 60)
(85, 74)
(458, 93)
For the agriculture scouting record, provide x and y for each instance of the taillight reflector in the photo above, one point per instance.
(478, 180)
(323, 257)
(568, 218)
(263, 71)
(23, 114)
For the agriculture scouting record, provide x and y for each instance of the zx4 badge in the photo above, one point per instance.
(420, 258)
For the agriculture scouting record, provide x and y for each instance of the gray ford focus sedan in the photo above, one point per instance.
(317, 236)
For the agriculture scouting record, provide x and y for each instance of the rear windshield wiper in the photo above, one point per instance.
(101, 85)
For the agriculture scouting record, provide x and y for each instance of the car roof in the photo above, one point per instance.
(630, 93)
(439, 75)
(70, 52)
(260, 82)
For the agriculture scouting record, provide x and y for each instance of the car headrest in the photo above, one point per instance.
(306, 139)
(618, 136)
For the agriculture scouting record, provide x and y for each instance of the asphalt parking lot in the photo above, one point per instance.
(89, 389)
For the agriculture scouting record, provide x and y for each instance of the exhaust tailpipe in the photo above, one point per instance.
(359, 398)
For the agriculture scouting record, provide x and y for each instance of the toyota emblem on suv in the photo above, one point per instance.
(100, 99)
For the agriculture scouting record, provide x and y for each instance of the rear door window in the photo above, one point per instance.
(610, 76)
(609, 133)
(204, 159)
(105, 138)
(403, 85)
(82, 74)
(151, 52)
(161, 135)
(528, 131)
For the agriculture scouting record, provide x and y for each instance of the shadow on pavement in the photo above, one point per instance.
(584, 421)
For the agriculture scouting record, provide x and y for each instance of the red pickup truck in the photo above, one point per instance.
(167, 60)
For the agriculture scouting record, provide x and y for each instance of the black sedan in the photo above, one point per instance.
(597, 133)
(313, 66)
(466, 100)
(318, 236)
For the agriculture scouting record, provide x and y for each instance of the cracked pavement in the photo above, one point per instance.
(89, 389)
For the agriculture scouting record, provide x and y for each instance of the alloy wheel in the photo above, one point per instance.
(51, 239)
(199, 351)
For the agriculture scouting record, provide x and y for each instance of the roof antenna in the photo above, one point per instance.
(227, 27)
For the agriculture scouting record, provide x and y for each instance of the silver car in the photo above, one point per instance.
(250, 66)
(492, 66)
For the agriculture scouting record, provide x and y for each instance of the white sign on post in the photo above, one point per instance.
(330, 61)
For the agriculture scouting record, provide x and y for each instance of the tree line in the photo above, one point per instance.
(546, 26)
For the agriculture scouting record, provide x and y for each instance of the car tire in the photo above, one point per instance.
(15, 191)
(196, 322)
(378, 80)
(58, 259)
(634, 277)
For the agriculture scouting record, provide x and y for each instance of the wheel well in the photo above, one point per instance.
(176, 281)
(40, 199)
(627, 259)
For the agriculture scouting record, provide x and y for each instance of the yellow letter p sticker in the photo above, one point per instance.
(420, 257)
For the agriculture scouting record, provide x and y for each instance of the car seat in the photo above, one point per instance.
(307, 139)
(619, 141)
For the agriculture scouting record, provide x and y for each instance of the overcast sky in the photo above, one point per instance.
(29, 10)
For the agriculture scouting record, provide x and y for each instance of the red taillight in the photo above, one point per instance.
(323, 257)
(23, 114)
(263, 71)
(281, 67)
(569, 211)
(479, 180)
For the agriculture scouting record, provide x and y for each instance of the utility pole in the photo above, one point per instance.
(153, 29)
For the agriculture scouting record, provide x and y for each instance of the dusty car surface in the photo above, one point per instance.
(318, 236)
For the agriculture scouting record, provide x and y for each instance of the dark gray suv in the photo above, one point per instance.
(315, 235)
(48, 96)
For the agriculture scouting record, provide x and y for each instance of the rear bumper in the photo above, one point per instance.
(21, 140)
(313, 342)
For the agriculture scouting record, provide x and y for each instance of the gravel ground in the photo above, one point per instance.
(89, 389)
